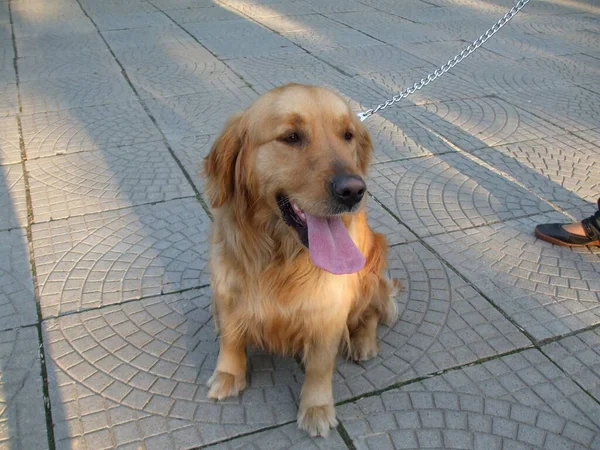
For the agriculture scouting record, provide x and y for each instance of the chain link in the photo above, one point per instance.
(449, 65)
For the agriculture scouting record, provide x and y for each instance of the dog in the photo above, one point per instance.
(295, 268)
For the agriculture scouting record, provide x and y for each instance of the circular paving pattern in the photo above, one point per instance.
(448, 192)
(156, 355)
(442, 322)
(457, 421)
(548, 290)
(109, 257)
(91, 128)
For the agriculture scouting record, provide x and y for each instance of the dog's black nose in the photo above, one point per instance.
(348, 189)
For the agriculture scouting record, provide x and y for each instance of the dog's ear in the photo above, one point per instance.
(220, 164)
(365, 146)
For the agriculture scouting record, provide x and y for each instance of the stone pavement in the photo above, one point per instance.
(106, 110)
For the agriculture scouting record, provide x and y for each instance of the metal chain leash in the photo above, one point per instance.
(449, 65)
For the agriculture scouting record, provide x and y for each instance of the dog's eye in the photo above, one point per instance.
(348, 136)
(292, 138)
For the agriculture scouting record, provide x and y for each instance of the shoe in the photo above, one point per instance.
(556, 234)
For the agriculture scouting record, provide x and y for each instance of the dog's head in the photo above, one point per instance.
(300, 155)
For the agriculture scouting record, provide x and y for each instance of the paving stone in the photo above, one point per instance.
(363, 60)
(517, 46)
(184, 78)
(40, 25)
(197, 15)
(8, 99)
(572, 109)
(448, 192)
(106, 258)
(90, 89)
(271, 9)
(162, 54)
(109, 22)
(10, 152)
(517, 401)
(443, 322)
(90, 128)
(22, 417)
(240, 38)
(337, 6)
(389, 28)
(169, 5)
(138, 372)
(476, 123)
(579, 357)
(330, 37)
(547, 290)
(198, 114)
(427, 14)
(285, 437)
(88, 182)
(438, 53)
(17, 303)
(553, 25)
(453, 88)
(13, 206)
(61, 65)
(562, 169)
(400, 136)
(168, 34)
(300, 21)
(117, 7)
(58, 43)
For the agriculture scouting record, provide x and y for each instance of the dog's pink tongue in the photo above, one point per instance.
(331, 247)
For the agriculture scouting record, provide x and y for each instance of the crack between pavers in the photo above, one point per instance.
(28, 231)
(250, 433)
(149, 114)
(152, 203)
(266, 27)
(124, 302)
(195, 39)
(345, 436)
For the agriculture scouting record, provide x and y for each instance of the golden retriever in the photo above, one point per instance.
(295, 268)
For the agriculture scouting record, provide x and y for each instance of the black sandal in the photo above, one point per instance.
(556, 234)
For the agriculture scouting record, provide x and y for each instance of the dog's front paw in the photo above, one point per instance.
(317, 420)
(223, 385)
(363, 347)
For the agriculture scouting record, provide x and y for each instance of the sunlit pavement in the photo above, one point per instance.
(106, 110)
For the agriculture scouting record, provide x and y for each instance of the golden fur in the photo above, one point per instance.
(267, 292)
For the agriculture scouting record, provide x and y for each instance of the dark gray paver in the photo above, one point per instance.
(13, 208)
(443, 322)
(89, 182)
(90, 128)
(447, 192)
(22, 415)
(548, 290)
(518, 401)
(105, 258)
(17, 303)
(579, 357)
(136, 374)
